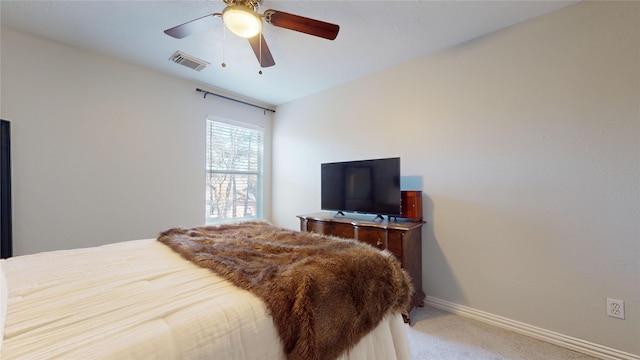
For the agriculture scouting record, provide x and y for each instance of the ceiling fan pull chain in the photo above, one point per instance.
(260, 60)
(224, 40)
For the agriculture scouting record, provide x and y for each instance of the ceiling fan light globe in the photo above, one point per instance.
(242, 21)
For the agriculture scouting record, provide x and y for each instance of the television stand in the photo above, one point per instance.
(401, 238)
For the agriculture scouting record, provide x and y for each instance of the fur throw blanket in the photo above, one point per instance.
(324, 293)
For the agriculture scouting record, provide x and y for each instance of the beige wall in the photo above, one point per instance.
(526, 142)
(102, 150)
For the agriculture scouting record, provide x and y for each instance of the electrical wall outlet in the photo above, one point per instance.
(615, 308)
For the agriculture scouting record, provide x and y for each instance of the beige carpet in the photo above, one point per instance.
(439, 335)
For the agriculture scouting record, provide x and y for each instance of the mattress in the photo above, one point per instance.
(140, 300)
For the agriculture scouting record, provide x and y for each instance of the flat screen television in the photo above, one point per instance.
(363, 186)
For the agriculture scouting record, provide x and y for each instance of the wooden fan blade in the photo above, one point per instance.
(191, 27)
(266, 59)
(302, 24)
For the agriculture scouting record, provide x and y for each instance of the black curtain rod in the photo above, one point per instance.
(232, 99)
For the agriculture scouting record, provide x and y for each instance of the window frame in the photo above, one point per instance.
(259, 173)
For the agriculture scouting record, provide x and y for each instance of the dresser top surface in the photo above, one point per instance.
(362, 220)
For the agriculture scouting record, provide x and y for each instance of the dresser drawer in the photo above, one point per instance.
(395, 244)
(318, 227)
(346, 231)
(374, 237)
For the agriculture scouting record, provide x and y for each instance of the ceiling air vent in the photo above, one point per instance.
(188, 61)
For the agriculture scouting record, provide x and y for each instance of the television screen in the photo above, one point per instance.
(364, 186)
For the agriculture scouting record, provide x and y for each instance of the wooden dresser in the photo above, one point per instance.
(402, 238)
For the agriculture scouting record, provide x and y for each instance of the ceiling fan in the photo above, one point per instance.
(243, 19)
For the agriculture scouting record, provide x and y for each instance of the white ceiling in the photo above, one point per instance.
(374, 35)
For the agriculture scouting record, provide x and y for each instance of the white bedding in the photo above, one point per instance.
(140, 300)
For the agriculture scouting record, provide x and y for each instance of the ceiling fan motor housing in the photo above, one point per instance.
(251, 4)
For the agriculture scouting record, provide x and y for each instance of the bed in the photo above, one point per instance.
(164, 299)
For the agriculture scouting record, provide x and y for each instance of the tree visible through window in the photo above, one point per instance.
(234, 172)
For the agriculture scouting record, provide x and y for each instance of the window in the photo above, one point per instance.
(234, 172)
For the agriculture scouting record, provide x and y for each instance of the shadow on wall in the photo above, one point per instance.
(436, 270)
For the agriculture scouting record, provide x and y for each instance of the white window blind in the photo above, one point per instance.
(234, 172)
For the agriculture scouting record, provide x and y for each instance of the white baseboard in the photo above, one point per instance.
(565, 341)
